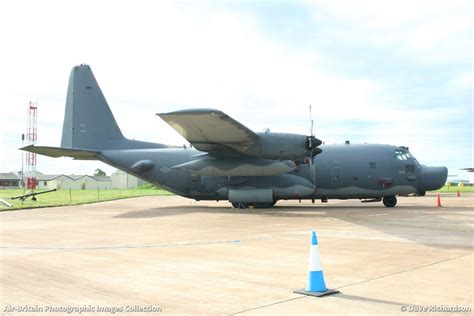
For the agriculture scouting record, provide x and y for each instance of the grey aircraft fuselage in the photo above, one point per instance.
(349, 171)
(233, 163)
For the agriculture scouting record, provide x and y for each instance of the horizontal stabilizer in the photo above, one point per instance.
(80, 154)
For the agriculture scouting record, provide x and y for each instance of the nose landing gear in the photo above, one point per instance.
(389, 201)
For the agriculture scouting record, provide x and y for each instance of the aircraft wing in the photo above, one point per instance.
(55, 152)
(209, 129)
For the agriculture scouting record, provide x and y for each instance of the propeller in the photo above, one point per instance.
(312, 145)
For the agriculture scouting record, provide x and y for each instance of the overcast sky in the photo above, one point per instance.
(392, 72)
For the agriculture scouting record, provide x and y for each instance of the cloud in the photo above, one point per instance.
(385, 72)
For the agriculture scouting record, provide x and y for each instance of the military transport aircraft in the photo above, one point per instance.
(228, 161)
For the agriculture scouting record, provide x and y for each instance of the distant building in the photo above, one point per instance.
(123, 180)
(72, 181)
(52, 181)
(9, 181)
(118, 180)
(100, 182)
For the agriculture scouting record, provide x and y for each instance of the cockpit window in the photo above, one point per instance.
(402, 154)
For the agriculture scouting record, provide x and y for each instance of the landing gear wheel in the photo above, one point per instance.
(390, 201)
(240, 205)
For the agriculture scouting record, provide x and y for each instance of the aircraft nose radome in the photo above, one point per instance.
(432, 178)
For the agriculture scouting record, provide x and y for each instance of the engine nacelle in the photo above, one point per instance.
(280, 146)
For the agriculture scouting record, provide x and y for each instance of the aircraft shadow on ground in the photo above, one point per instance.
(398, 222)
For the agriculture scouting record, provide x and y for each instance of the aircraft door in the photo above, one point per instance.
(195, 183)
(410, 172)
(372, 175)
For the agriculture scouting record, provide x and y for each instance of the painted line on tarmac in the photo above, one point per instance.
(169, 245)
(407, 270)
(236, 241)
(270, 225)
(271, 304)
(262, 237)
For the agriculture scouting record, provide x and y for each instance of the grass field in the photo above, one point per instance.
(73, 197)
(455, 189)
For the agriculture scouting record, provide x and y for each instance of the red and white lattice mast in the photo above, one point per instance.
(31, 137)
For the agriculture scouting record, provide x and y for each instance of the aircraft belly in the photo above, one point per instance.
(257, 189)
(353, 192)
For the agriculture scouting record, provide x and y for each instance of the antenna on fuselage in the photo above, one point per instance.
(311, 151)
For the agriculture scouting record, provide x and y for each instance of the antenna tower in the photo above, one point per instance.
(31, 137)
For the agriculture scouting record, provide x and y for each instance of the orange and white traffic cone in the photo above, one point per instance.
(439, 200)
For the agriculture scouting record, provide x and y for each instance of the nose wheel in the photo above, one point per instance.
(389, 201)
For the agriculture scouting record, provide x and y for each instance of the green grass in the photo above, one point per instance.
(73, 197)
(455, 189)
(62, 197)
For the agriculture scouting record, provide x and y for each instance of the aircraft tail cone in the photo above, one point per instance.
(439, 200)
(316, 285)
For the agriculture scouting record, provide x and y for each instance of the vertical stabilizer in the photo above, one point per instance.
(88, 121)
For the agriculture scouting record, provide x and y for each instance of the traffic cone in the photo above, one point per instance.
(316, 285)
(439, 200)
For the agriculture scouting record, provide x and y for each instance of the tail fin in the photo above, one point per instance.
(88, 121)
(89, 126)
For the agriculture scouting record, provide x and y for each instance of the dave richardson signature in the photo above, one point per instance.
(81, 309)
(435, 309)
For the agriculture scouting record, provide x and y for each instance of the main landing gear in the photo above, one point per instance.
(242, 205)
(390, 201)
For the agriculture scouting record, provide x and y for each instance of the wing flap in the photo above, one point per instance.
(55, 152)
